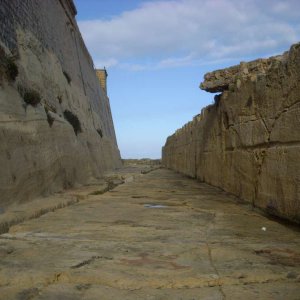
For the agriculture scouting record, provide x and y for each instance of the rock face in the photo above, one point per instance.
(56, 127)
(248, 142)
(227, 79)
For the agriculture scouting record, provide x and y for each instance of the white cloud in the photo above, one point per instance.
(184, 32)
(109, 62)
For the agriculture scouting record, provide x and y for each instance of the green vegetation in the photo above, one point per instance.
(11, 69)
(31, 97)
(73, 120)
(100, 192)
(8, 66)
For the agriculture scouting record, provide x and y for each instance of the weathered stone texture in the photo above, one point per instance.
(158, 236)
(248, 142)
(226, 79)
(39, 150)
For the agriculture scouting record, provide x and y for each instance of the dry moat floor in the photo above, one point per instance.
(159, 236)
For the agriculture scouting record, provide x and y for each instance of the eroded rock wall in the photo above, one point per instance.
(248, 142)
(56, 127)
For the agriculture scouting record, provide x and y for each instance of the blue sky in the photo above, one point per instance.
(157, 52)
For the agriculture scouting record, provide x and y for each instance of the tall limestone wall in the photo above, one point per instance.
(248, 141)
(56, 127)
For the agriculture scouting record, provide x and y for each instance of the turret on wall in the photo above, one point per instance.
(102, 76)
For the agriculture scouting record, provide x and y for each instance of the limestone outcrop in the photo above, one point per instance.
(226, 79)
(247, 142)
(56, 127)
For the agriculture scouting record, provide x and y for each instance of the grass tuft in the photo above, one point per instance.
(8, 67)
(31, 97)
(73, 120)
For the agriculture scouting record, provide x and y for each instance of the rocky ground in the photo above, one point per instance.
(158, 235)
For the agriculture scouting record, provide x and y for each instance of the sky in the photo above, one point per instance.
(156, 53)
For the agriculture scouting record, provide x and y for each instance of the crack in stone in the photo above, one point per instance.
(217, 281)
(5, 226)
(89, 261)
(265, 146)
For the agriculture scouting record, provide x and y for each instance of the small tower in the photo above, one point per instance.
(102, 75)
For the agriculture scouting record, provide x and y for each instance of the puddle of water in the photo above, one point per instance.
(154, 206)
(2, 210)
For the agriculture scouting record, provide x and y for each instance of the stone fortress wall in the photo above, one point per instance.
(247, 142)
(56, 127)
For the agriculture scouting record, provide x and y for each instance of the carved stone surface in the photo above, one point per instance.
(225, 79)
(159, 236)
(248, 142)
(67, 137)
